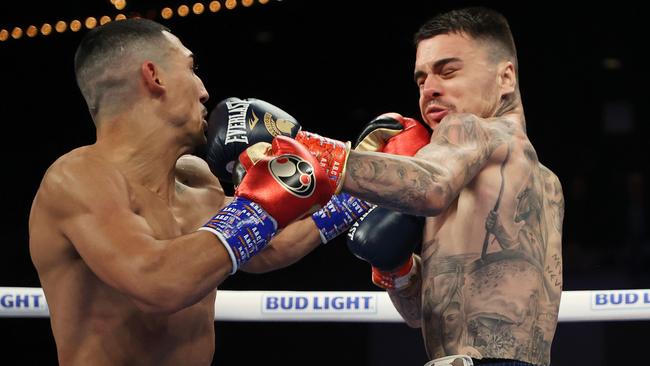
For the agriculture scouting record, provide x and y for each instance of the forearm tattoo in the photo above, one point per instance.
(424, 186)
(393, 182)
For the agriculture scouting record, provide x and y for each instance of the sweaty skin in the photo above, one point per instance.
(113, 231)
(95, 323)
(490, 275)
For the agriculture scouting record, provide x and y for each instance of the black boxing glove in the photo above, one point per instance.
(386, 239)
(235, 124)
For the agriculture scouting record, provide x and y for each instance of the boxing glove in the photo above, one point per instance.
(332, 155)
(386, 239)
(283, 182)
(392, 133)
(334, 218)
(285, 179)
(235, 124)
(389, 133)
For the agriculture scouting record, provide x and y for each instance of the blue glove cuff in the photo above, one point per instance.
(244, 228)
(338, 215)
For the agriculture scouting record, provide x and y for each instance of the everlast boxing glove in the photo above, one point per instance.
(235, 124)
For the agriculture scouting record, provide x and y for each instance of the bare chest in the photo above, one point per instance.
(187, 211)
(460, 230)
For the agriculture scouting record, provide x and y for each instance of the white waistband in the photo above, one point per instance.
(455, 360)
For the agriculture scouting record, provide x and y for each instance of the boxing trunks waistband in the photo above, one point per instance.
(461, 360)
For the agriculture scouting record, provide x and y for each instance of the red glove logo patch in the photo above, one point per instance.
(294, 174)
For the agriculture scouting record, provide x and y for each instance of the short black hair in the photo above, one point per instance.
(480, 23)
(105, 48)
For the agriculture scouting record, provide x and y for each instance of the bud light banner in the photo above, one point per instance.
(620, 299)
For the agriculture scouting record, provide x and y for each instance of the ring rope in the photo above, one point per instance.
(349, 306)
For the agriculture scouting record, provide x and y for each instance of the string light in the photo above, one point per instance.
(90, 22)
(183, 10)
(31, 31)
(119, 4)
(104, 19)
(16, 33)
(214, 6)
(166, 13)
(75, 25)
(46, 29)
(61, 26)
(198, 8)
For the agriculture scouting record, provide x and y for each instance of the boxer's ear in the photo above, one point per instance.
(151, 78)
(507, 78)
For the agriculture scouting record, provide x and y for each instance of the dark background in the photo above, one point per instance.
(334, 65)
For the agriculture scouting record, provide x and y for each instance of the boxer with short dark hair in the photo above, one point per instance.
(131, 235)
(486, 288)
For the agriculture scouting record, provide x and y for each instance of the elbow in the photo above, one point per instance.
(255, 268)
(436, 202)
(154, 291)
(160, 300)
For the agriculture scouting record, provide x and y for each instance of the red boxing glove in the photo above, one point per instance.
(285, 179)
(332, 155)
(393, 134)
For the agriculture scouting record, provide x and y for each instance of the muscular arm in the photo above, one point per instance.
(287, 247)
(408, 301)
(90, 204)
(427, 183)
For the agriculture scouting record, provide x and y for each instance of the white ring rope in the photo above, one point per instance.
(349, 306)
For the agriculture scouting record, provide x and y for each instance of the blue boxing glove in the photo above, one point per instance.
(338, 215)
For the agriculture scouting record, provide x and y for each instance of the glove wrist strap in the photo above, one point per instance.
(332, 155)
(341, 212)
(244, 228)
(396, 279)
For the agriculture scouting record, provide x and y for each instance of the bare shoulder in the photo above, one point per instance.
(76, 184)
(552, 183)
(194, 172)
(548, 173)
(77, 175)
(469, 130)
